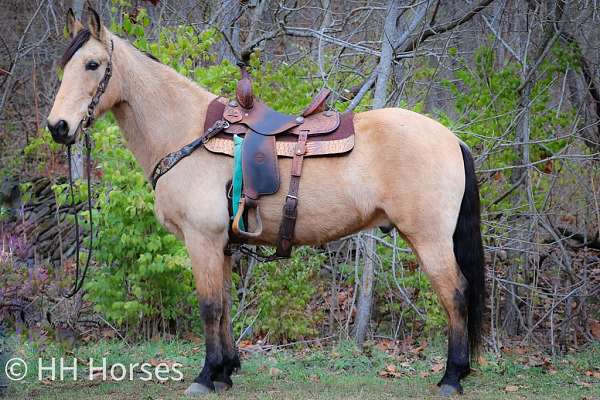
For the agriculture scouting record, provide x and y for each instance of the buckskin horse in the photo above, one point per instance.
(405, 170)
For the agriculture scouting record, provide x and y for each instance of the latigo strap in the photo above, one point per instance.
(290, 208)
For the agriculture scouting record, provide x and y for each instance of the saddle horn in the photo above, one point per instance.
(244, 95)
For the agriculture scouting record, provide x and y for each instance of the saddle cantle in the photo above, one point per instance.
(269, 134)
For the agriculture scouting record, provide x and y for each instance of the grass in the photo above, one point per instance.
(336, 372)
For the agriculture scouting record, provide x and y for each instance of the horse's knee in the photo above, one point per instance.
(211, 310)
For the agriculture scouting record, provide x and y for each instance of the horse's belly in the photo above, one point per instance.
(337, 197)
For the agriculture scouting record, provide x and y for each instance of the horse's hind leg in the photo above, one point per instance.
(231, 359)
(439, 263)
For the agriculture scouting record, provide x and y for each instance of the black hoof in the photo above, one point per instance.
(197, 389)
(447, 390)
(221, 387)
(222, 379)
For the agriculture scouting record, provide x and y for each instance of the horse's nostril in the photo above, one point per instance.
(63, 128)
(60, 129)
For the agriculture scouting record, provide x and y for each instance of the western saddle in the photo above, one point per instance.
(267, 135)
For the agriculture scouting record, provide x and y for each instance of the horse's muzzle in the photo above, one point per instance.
(60, 132)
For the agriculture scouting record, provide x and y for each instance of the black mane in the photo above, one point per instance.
(151, 56)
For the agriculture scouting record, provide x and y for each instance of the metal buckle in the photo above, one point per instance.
(291, 196)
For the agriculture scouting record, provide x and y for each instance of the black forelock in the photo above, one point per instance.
(78, 41)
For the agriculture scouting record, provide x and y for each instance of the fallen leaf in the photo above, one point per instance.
(536, 361)
(422, 346)
(384, 345)
(97, 374)
(437, 367)
(390, 371)
(108, 334)
(511, 389)
(520, 350)
(192, 337)
(595, 374)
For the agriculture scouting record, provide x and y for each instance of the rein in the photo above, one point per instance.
(84, 126)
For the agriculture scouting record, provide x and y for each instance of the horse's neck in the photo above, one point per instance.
(160, 110)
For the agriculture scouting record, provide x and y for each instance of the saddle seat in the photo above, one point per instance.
(267, 135)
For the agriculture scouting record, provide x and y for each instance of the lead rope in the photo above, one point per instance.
(78, 284)
(258, 255)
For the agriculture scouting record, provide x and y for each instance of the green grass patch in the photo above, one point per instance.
(338, 371)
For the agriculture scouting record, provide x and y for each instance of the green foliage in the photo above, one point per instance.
(284, 292)
(487, 97)
(42, 151)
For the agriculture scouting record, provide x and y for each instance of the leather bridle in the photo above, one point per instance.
(84, 125)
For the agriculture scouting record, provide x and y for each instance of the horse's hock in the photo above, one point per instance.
(34, 230)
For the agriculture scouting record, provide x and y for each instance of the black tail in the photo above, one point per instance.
(468, 250)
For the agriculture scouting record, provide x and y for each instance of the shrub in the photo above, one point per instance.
(284, 292)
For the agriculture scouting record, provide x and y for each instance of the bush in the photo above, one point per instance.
(284, 294)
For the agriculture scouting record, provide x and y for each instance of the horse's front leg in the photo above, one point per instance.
(207, 264)
(231, 359)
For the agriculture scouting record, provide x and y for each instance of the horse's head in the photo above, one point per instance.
(84, 64)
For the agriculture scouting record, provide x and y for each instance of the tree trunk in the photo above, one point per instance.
(365, 298)
(388, 39)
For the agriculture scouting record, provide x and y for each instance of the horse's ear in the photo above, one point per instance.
(95, 26)
(73, 25)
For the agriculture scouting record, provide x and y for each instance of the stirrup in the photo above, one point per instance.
(235, 226)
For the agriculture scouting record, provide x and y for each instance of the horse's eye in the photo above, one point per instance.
(92, 65)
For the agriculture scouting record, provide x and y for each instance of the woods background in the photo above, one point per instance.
(518, 80)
